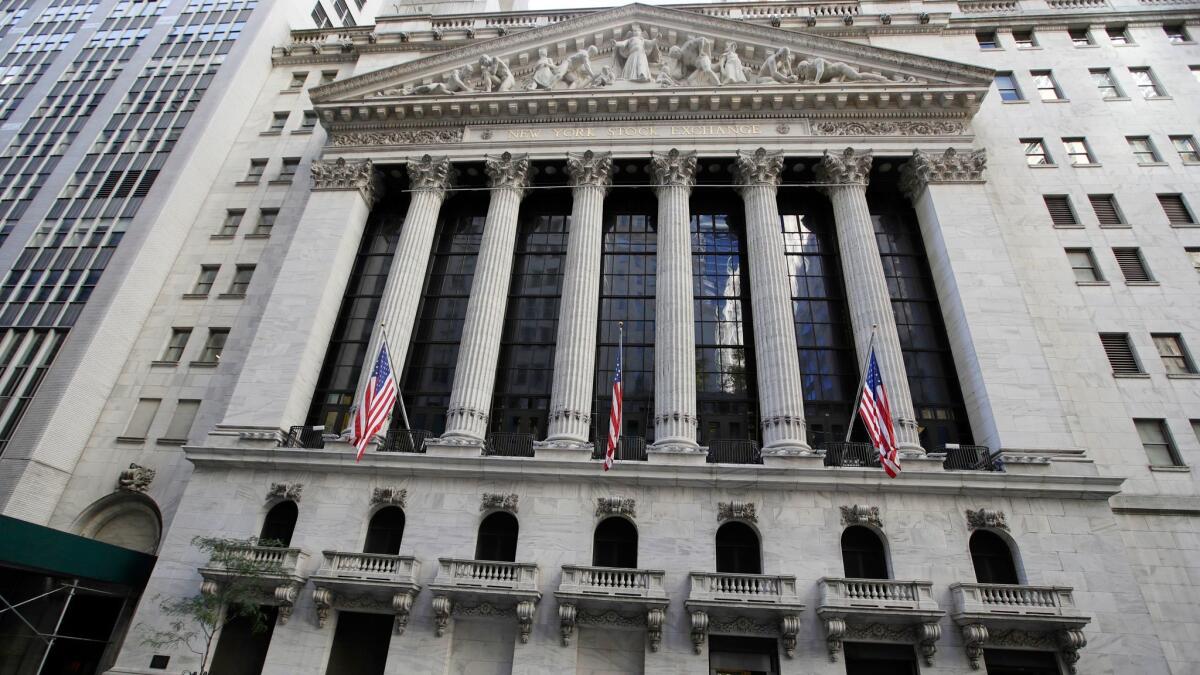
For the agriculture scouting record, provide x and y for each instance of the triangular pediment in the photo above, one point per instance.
(639, 58)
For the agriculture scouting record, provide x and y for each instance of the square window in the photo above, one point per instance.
(1133, 267)
(233, 219)
(257, 167)
(1024, 38)
(1061, 213)
(241, 279)
(1117, 35)
(1119, 351)
(1175, 358)
(1078, 152)
(1046, 86)
(310, 119)
(1157, 442)
(328, 76)
(204, 282)
(1006, 83)
(1035, 152)
(1187, 149)
(298, 80)
(1083, 263)
(176, 345)
(266, 221)
(278, 121)
(1193, 255)
(987, 39)
(1106, 209)
(320, 17)
(287, 170)
(1195, 72)
(1080, 37)
(1145, 82)
(1104, 81)
(181, 421)
(214, 345)
(1143, 150)
(1176, 33)
(143, 416)
(1176, 210)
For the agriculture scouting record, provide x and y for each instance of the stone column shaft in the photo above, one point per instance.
(866, 286)
(575, 352)
(780, 392)
(675, 324)
(479, 348)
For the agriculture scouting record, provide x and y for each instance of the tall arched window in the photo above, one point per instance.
(615, 544)
(497, 538)
(279, 524)
(862, 554)
(738, 549)
(385, 531)
(993, 559)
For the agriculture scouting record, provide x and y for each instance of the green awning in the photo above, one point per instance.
(30, 546)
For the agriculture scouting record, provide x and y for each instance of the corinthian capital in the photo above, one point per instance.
(430, 173)
(847, 167)
(951, 166)
(508, 171)
(590, 168)
(758, 168)
(673, 168)
(338, 174)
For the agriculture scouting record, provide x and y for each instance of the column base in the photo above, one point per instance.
(921, 462)
(793, 457)
(563, 450)
(455, 446)
(676, 454)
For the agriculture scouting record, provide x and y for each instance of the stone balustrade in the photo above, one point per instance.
(735, 588)
(277, 559)
(274, 569)
(614, 582)
(587, 594)
(877, 593)
(1013, 600)
(849, 607)
(369, 566)
(473, 583)
(488, 574)
(769, 603)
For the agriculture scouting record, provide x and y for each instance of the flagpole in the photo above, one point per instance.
(396, 375)
(862, 380)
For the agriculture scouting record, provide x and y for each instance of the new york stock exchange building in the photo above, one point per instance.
(742, 202)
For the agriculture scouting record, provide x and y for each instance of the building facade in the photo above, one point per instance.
(745, 200)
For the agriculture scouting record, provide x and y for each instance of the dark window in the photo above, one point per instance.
(320, 17)
(1106, 209)
(214, 345)
(279, 121)
(497, 538)
(1176, 33)
(257, 167)
(1176, 210)
(278, 525)
(1120, 353)
(1143, 149)
(287, 169)
(176, 345)
(987, 39)
(1131, 264)
(1117, 35)
(1024, 38)
(993, 559)
(1174, 356)
(863, 556)
(1080, 37)
(1006, 83)
(385, 531)
(740, 655)
(1060, 210)
(738, 549)
(870, 658)
(1156, 441)
(360, 643)
(1020, 662)
(615, 544)
(242, 647)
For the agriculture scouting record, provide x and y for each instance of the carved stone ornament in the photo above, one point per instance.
(846, 167)
(616, 506)
(397, 137)
(136, 478)
(673, 168)
(442, 606)
(986, 518)
(338, 174)
(887, 128)
(951, 166)
(590, 169)
(492, 501)
(758, 168)
(736, 511)
(323, 599)
(288, 491)
(974, 635)
(429, 173)
(741, 625)
(699, 630)
(611, 619)
(525, 612)
(654, 625)
(927, 636)
(285, 600)
(507, 171)
(789, 626)
(402, 605)
(567, 616)
(392, 496)
(860, 514)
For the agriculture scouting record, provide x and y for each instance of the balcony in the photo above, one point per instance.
(272, 570)
(305, 437)
(734, 451)
(587, 594)
(744, 604)
(485, 588)
(900, 611)
(851, 455)
(629, 449)
(369, 582)
(509, 445)
(1004, 615)
(971, 458)
(405, 440)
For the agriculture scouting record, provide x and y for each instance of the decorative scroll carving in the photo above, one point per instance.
(759, 167)
(835, 630)
(567, 616)
(136, 478)
(389, 495)
(974, 635)
(1070, 641)
(507, 171)
(880, 632)
(986, 518)
(441, 614)
(485, 609)
(699, 630)
(402, 605)
(285, 599)
(927, 636)
(525, 612)
(789, 626)
(398, 137)
(339, 174)
(429, 173)
(611, 618)
(887, 128)
(736, 511)
(673, 168)
(654, 624)
(860, 514)
(590, 168)
(323, 599)
(498, 501)
(618, 506)
(948, 167)
(847, 167)
(290, 491)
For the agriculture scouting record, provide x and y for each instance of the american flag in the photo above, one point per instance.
(377, 401)
(614, 415)
(877, 417)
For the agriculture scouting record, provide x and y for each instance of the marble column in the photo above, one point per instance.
(479, 348)
(780, 393)
(428, 178)
(293, 333)
(575, 351)
(675, 422)
(866, 287)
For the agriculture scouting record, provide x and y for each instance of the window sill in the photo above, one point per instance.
(1123, 44)
(195, 296)
(170, 441)
(231, 296)
(1118, 98)
(1092, 283)
(1089, 165)
(1089, 46)
(203, 364)
(1056, 100)
(279, 182)
(1183, 376)
(1191, 163)
(1142, 283)
(301, 132)
(163, 364)
(1029, 48)
(1042, 166)
(1014, 102)
(1183, 42)
(1131, 376)
(256, 235)
(291, 90)
(131, 439)
(1184, 226)
(1158, 98)
(1171, 469)
(271, 133)
(1068, 227)
(1118, 226)
(991, 49)
(1152, 164)
(246, 182)
(222, 237)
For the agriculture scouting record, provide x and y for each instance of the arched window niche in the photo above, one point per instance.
(615, 543)
(994, 556)
(128, 520)
(497, 538)
(385, 531)
(280, 523)
(739, 549)
(864, 554)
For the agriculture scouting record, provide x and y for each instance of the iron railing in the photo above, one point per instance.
(405, 440)
(971, 458)
(312, 438)
(509, 445)
(629, 449)
(734, 451)
(850, 454)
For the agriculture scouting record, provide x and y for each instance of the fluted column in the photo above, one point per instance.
(428, 178)
(479, 348)
(674, 323)
(866, 287)
(575, 351)
(780, 393)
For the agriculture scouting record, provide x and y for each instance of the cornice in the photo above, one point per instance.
(507, 469)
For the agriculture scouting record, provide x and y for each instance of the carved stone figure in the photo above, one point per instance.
(545, 72)
(494, 74)
(736, 511)
(452, 83)
(136, 478)
(576, 69)
(604, 78)
(777, 68)
(499, 502)
(817, 70)
(730, 65)
(632, 55)
(691, 64)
